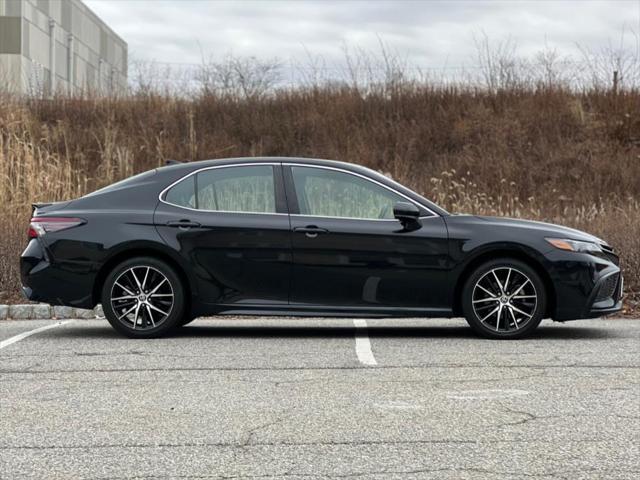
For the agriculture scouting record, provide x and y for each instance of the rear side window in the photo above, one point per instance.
(249, 189)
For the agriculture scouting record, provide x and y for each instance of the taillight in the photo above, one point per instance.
(41, 225)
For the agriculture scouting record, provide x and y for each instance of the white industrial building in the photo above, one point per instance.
(58, 46)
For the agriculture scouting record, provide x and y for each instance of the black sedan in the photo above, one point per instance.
(293, 236)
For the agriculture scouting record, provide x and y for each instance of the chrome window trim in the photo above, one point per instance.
(423, 217)
(411, 200)
(293, 164)
(195, 172)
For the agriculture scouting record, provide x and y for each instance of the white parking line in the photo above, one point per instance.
(22, 336)
(363, 345)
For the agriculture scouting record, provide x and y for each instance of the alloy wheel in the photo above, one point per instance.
(504, 299)
(142, 298)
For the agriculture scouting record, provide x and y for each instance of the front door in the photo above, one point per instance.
(349, 251)
(230, 223)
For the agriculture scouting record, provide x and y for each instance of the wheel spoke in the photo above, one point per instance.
(495, 275)
(157, 309)
(128, 312)
(133, 273)
(144, 280)
(515, 322)
(486, 291)
(520, 297)
(150, 315)
(155, 289)
(490, 313)
(506, 283)
(520, 287)
(476, 301)
(125, 297)
(135, 316)
(499, 315)
(124, 288)
(521, 311)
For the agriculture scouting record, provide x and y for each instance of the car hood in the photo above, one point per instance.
(545, 229)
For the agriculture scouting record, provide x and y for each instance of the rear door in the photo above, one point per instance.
(350, 252)
(231, 224)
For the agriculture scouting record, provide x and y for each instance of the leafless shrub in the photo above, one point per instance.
(622, 58)
(244, 77)
(552, 70)
(312, 71)
(499, 66)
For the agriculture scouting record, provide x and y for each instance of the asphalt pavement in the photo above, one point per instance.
(319, 398)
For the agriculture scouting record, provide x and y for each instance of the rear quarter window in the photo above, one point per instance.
(183, 193)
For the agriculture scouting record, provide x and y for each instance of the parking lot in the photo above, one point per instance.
(319, 398)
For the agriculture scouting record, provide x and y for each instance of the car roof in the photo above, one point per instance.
(240, 160)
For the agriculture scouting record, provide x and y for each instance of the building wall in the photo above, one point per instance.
(10, 45)
(63, 37)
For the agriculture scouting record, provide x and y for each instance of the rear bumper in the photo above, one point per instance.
(56, 284)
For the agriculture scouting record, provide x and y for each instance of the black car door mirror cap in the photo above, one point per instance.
(407, 213)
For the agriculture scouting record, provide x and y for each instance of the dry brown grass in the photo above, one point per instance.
(542, 153)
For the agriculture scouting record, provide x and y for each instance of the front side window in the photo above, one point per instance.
(247, 189)
(329, 193)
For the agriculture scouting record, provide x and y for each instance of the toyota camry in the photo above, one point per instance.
(305, 237)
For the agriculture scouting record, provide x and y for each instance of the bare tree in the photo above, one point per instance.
(314, 71)
(498, 63)
(551, 70)
(247, 77)
(623, 58)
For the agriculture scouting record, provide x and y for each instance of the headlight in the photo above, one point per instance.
(574, 245)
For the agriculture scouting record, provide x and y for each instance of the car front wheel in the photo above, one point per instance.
(143, 297)
(504, 299)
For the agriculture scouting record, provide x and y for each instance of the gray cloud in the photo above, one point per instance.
(430, 33)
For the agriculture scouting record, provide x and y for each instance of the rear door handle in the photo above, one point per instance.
(310, 231)
(183, 224)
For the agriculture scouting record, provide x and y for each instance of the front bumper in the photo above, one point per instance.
(586, 286)
(606, 297)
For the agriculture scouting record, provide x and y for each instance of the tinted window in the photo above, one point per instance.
(183, 193)
(329, 193)
(228, 189)
(237, 189)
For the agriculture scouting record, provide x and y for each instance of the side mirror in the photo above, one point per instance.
(407, 214)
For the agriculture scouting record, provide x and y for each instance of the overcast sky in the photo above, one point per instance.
(430, 33)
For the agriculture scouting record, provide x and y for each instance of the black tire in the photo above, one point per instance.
(155, 316)
(523, 303)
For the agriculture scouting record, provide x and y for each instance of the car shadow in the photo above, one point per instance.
(544, 332)
(455, 331)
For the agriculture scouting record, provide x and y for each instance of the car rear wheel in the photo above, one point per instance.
(143, 297)
(504, 299)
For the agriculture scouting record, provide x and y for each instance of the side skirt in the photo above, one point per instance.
(321, 311)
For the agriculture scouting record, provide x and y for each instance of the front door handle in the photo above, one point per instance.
(183, 224)
(310, 231)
